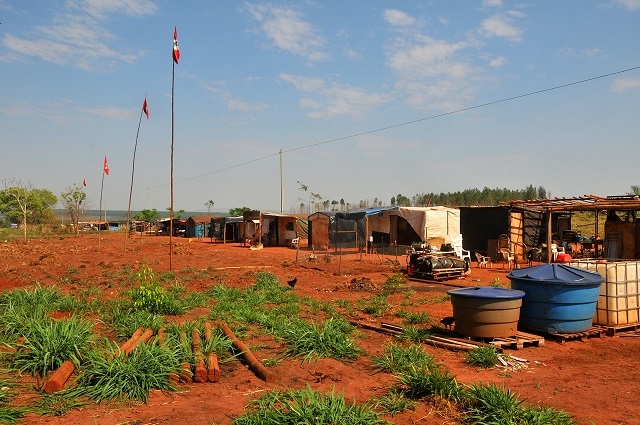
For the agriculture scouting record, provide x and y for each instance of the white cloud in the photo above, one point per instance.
(241, 105)
(352, 55)
(581, 53)
(78, 37)
(629, 4)
(498, 62)
(431, 73)
(398, 18)
(492, 3)
(501, 25)
(112, 112)
(623, 84)
(289, 32)
(333, 100)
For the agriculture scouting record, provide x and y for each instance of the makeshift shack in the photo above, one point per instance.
(384, 227)
(269, 228)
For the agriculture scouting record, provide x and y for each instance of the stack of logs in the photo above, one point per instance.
(204, 369)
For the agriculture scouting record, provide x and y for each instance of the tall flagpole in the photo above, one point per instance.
(176, 57)
(100, 221)
(133, 167)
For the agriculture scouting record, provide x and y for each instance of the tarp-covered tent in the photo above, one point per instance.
(398, 226)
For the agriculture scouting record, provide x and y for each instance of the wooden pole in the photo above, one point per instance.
(59, 377)
(133, 167)
(253, 363)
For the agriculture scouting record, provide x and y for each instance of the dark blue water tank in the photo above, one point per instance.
(558, 298)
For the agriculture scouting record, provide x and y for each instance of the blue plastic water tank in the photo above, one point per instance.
(558, 298)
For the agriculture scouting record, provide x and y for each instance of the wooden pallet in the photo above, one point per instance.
(517, 342)
(521, 340)
(612, 330)
(593, 332)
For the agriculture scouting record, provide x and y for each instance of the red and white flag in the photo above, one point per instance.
(84, 182)
(176, 49)
(145, 108)
(105, 167)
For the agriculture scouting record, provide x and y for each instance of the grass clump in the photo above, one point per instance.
(331, 340)
(395, 281)
(116, 376)
(490, 404)
(307, 407)
(400, 358)
(49, 343)
(374, 306)
(484, 356)
(423, 382)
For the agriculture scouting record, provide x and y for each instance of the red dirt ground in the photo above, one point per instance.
(595, 380)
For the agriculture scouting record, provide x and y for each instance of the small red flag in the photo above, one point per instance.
(145, 107)
(84, 182)
(176, 49)
(105, 167)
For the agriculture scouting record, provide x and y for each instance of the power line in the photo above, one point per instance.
(389, 127)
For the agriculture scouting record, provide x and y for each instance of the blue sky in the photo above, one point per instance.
(367, 99)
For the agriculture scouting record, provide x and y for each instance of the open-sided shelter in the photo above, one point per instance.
(270, 228)
(384, 227)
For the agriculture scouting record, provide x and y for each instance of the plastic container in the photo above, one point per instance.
(619, 300)
(559, 298)
(486, 312)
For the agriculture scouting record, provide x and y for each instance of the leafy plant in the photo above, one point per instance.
(375, 306)
(152, 297)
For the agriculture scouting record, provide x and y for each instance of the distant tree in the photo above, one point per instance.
(393, 200)
(176, 214)
(209, 204)
(147, 215)
(43, 201)
(236, 212)
(333, 205)
(16, 202)
(635, 190)
(341, 204)
(72, 200)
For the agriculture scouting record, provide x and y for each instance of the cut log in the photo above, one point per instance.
(200, 373)
(57, 380)
(213, 368)
(213, 371)
(127, 345)
(185, 369)
(251, 360)
(162, 337)
(133, 343)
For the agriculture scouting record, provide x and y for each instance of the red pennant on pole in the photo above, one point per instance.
(84, 182)
(145, 107)
(105, 167)
(176, 49)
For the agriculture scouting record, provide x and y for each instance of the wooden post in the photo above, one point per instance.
(253, 363)
(59, 377)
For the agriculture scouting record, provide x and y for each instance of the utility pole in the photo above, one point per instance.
(281, 186)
